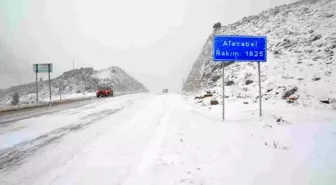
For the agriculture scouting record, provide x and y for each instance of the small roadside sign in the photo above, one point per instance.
(232, 48)
(240, 48)
(43, 68)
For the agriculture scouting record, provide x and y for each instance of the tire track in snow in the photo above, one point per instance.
(143, 170)
(112, 149)
(12, 157)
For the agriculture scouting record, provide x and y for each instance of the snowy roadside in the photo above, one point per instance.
(279, 119)
(300, 138)
(45, 101)
(68, 98)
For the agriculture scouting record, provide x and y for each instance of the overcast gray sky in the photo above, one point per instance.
(156, 41)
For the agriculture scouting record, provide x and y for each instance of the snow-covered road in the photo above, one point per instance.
(146, 139)
(19, 114)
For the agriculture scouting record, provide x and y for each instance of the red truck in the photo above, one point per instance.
(104, 92)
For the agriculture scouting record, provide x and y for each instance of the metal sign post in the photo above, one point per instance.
(223, 113)
(36, 85)
(49, 69)
(260, 110)
(240, 48)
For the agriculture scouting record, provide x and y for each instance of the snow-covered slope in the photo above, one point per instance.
(78, 81)
(301, 54)
(119, 79)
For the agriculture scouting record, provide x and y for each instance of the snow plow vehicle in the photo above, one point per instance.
(104, 92)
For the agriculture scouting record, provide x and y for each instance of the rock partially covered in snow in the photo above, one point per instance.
(286, 94)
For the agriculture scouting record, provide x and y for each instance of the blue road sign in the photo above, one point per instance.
(239, 48)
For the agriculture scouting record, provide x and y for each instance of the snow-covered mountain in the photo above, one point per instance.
(301, 57)
(78, 81)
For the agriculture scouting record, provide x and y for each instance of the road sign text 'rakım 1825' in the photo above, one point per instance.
(231, 48)
(240, 48)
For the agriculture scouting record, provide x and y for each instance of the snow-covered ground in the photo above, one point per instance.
(44, 100)
(76, 96)
(70, 96)
(26, 100)
(148, 139)
(65, 97)
(33, 128)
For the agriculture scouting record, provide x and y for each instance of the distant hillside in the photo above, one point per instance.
(78, 81)
(301, 55)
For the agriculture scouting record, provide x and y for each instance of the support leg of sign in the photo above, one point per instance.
(260, 107)
(223, 114)
(49, 83)
(36, 87)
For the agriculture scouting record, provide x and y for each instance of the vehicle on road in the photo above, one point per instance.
(165, 90)
(104, 92)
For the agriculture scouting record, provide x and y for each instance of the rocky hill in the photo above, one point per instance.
(77, 81)
(301, 57)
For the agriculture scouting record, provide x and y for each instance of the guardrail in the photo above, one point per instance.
(53, 103)
(6, 110)
(44, 104)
